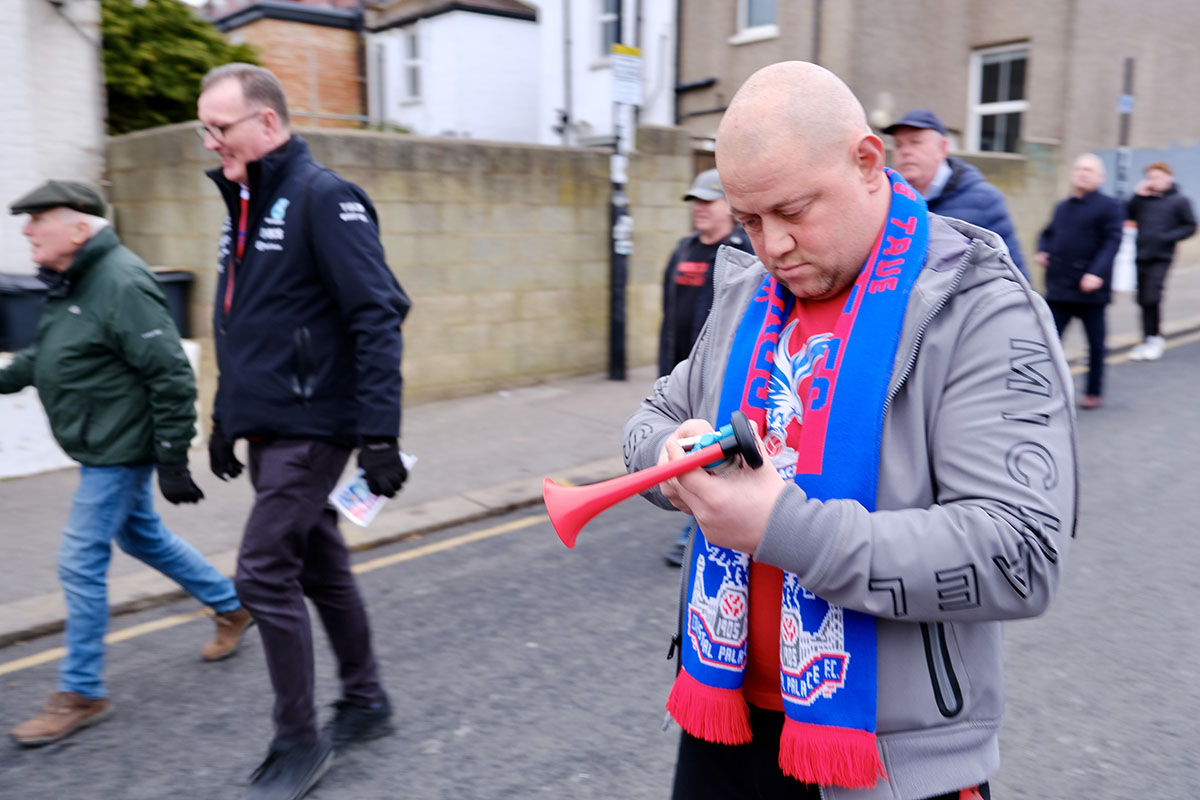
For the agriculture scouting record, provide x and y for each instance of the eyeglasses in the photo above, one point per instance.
(219, 132)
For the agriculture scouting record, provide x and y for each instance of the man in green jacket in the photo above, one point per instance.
(120, 397)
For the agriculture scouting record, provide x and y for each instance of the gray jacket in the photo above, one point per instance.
(976, 506)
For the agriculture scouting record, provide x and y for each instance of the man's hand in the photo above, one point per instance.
(177, 485)
(221, 459)
(1143, 188)
(1090, 282)
(1041, 258)
(382, 467)
(732, 508)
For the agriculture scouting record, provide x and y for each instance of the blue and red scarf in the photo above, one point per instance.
(827, 664)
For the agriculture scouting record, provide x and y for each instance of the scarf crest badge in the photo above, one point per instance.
(827, 668)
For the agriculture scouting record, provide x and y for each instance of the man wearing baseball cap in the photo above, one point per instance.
(951, 187)
(120, 397)
(688, 286)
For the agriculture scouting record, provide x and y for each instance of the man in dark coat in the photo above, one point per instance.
(688, 287)
(1164, 217)
(1077, 250)
(951, 187)
(120, 397)
(306, 325)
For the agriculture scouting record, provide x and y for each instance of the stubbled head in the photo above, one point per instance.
(1087, 174)
(804, 175)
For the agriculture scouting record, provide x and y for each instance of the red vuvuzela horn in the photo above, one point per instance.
(571, 507)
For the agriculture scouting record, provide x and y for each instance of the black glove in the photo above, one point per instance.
(221, 460)
(381, 464)
(177, 485)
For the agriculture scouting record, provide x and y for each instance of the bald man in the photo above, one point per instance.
(841, 628)
(1077, 250)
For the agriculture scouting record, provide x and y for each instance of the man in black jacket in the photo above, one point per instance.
(688, 288)
(307, 330)
(1077, 250)
(1163, 217)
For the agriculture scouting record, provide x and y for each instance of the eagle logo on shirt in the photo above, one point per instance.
(784, 406)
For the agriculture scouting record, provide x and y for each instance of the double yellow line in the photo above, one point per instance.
(134, 631)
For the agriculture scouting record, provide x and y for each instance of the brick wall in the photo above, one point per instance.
(503, 248)
(318, 67)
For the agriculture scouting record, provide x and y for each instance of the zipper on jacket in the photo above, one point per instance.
(302, 381)
(685, 570)
(83, 429)
(946, 691)
(920, 333)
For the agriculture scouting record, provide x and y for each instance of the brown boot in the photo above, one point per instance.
(63, 714)
(230, 627)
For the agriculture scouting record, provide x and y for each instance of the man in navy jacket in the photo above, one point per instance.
(307, 330)
(1077, 250)
(951, 187)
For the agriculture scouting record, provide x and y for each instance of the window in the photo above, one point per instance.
(756, 13)
(756, 21)
(998, 101)
(610, 26)
(410, 53)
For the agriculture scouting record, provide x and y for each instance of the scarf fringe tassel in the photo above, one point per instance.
(708, 712)
(830, 756)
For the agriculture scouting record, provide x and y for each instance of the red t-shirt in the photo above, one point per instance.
(761, 684)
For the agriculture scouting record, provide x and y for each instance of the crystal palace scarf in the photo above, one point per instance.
(827, 653)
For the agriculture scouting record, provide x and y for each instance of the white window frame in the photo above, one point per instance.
(976, 110)
(410, 65)
(747, 33)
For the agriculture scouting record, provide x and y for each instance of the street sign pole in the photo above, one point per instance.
(1125, 109)
(627, 94)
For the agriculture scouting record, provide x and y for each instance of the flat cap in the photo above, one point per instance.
(55, 194)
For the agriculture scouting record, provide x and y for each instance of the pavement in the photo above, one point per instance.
(477, 457)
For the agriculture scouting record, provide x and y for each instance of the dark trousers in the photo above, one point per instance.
(707, 771)
(1092, 317)
(292, 549)
(1151, 280)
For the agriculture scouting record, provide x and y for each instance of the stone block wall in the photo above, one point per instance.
(502, 247)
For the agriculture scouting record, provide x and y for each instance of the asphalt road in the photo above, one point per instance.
(521, 669)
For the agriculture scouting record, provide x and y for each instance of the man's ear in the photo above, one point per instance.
(271, 122)
(80, 231)
(870, 160)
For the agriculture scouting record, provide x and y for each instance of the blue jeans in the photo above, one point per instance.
(118, 503)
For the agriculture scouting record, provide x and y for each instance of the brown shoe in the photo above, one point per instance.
(230, 627)
(63, 714)
(1091, 401)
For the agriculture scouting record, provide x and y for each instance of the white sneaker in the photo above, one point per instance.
(1155, 345)
(1138, 352)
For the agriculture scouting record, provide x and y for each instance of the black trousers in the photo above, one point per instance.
(707, 771)
(292, 549)
(1092, 316)
(1151, 281)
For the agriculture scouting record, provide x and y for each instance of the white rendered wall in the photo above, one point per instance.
(487, 77)
(591, 105)
(51, 106)
(478, 74)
